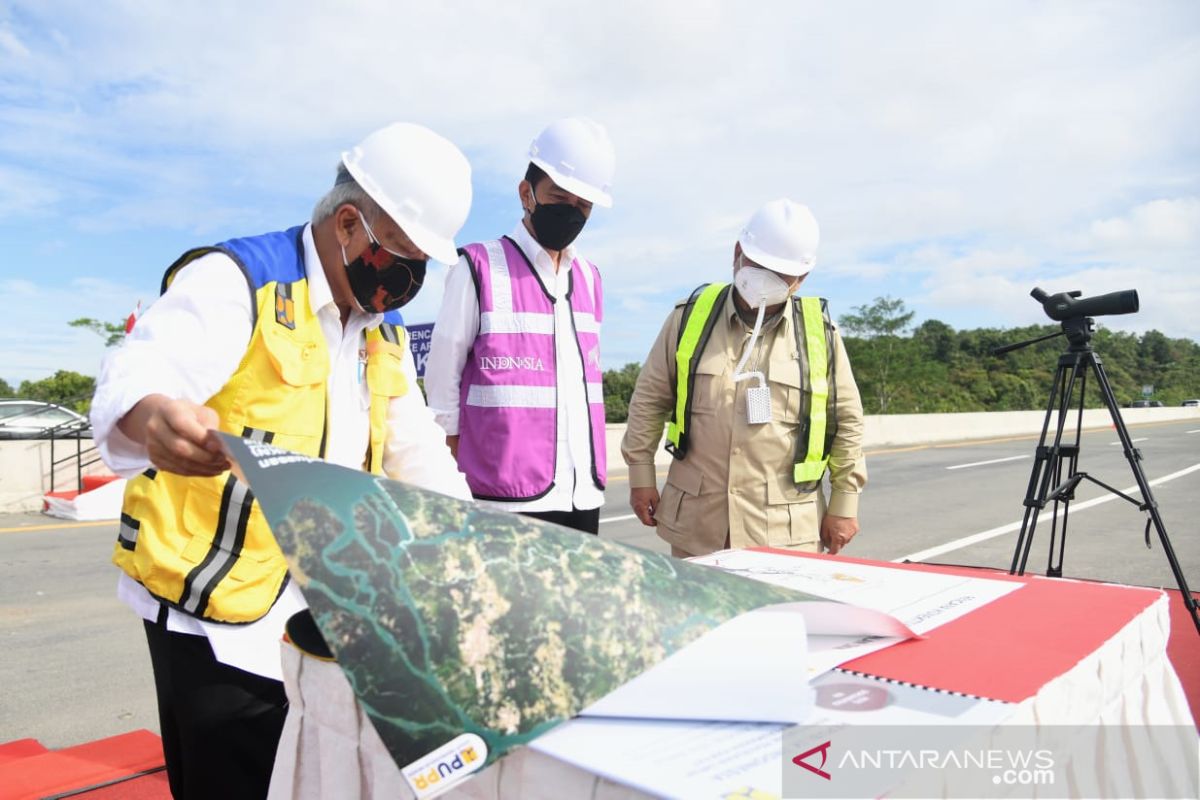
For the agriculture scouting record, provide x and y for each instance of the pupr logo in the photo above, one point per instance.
(823, 749)
(489, 363)
(454, 760)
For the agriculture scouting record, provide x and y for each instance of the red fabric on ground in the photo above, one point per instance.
(20, 748)
(72, 768)
(144, 787)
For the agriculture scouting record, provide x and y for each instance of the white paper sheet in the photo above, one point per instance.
(708, 679)
(255, 647)
(724, 759)
(921, 600)
(753, 668)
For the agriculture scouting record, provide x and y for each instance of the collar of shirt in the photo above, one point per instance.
(540, 259)
(320, 296)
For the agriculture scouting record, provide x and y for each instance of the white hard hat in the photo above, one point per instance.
(782, 236)
(578, 156)
(420, 180)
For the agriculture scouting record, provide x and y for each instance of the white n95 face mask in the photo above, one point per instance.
(761, 287)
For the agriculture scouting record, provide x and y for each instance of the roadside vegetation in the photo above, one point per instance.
(933, 368)
(900, 368)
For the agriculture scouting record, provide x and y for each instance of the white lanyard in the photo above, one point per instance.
(758, 398)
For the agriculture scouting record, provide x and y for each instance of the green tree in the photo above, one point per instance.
(618, 389)
(881, 323)
(111, 332)
(886, 316)
(5, 389)
(64, 387)
(938, 339)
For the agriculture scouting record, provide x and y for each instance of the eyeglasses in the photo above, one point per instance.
(377, 242)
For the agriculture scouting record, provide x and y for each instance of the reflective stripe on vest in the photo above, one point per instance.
(686, 352)
(812, 466)
(810, 316)
(227, 539)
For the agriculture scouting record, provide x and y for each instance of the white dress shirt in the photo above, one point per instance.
(454, 335)
(187, 345)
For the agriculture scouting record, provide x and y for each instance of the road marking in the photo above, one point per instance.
(1195, 431)
(1142, 439)
(993, 461)
(976, 538)
(618, 519)
(65, 525)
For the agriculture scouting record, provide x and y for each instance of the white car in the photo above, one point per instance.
(1191, 403)
(33, 419)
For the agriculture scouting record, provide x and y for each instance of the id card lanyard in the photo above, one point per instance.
(758, 398)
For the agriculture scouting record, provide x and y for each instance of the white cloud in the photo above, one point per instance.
(36, 337)
(10, 44)
(954, 153)
(23, 192)
(18, 287)
(1157, 225)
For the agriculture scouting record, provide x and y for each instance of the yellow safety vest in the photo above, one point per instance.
(202, 545)
(814, 338)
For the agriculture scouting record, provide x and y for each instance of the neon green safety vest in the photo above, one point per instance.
(810, 318)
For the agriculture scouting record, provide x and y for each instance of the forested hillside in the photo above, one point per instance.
(938, 369)
(934, 368)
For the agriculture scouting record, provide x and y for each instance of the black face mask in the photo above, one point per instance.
(382, 280)
(555, 225)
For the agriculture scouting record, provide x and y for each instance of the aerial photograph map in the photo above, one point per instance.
(449, 618)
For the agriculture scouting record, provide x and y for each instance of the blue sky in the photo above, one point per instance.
(955, 154)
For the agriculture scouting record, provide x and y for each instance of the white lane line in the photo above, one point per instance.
(618, 519)
(976, 538)
(1142, 439)
(993, 461)
(1195, 431)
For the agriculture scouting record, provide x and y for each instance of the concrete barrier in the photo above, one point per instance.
(908, 430)
(902, 430)
(25, 465)
(25, 471)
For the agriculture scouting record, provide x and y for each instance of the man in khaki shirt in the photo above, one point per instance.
(735, 486)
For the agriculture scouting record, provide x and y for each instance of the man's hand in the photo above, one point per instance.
(644, 502)
(175, 433)
(836, 532)
(452, 443)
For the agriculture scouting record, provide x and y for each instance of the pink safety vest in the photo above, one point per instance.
(508, 399)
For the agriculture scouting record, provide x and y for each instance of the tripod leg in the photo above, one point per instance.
(1068, 366)
(1070, 457)
(1134, 457)
(1054, 560)
(1045, 465)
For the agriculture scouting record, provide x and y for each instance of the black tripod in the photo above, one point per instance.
(1046, 482)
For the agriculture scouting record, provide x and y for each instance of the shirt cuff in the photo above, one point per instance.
(643, 476)
(125, 457)
(842, 504)
(448, 420)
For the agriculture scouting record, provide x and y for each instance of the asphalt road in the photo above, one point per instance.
(73, 661)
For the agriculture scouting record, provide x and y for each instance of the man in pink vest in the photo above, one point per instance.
(513, 374)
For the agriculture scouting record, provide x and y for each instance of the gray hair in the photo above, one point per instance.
(346, 190)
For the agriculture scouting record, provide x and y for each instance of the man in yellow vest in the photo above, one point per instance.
(291, 338)
(761, 404)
